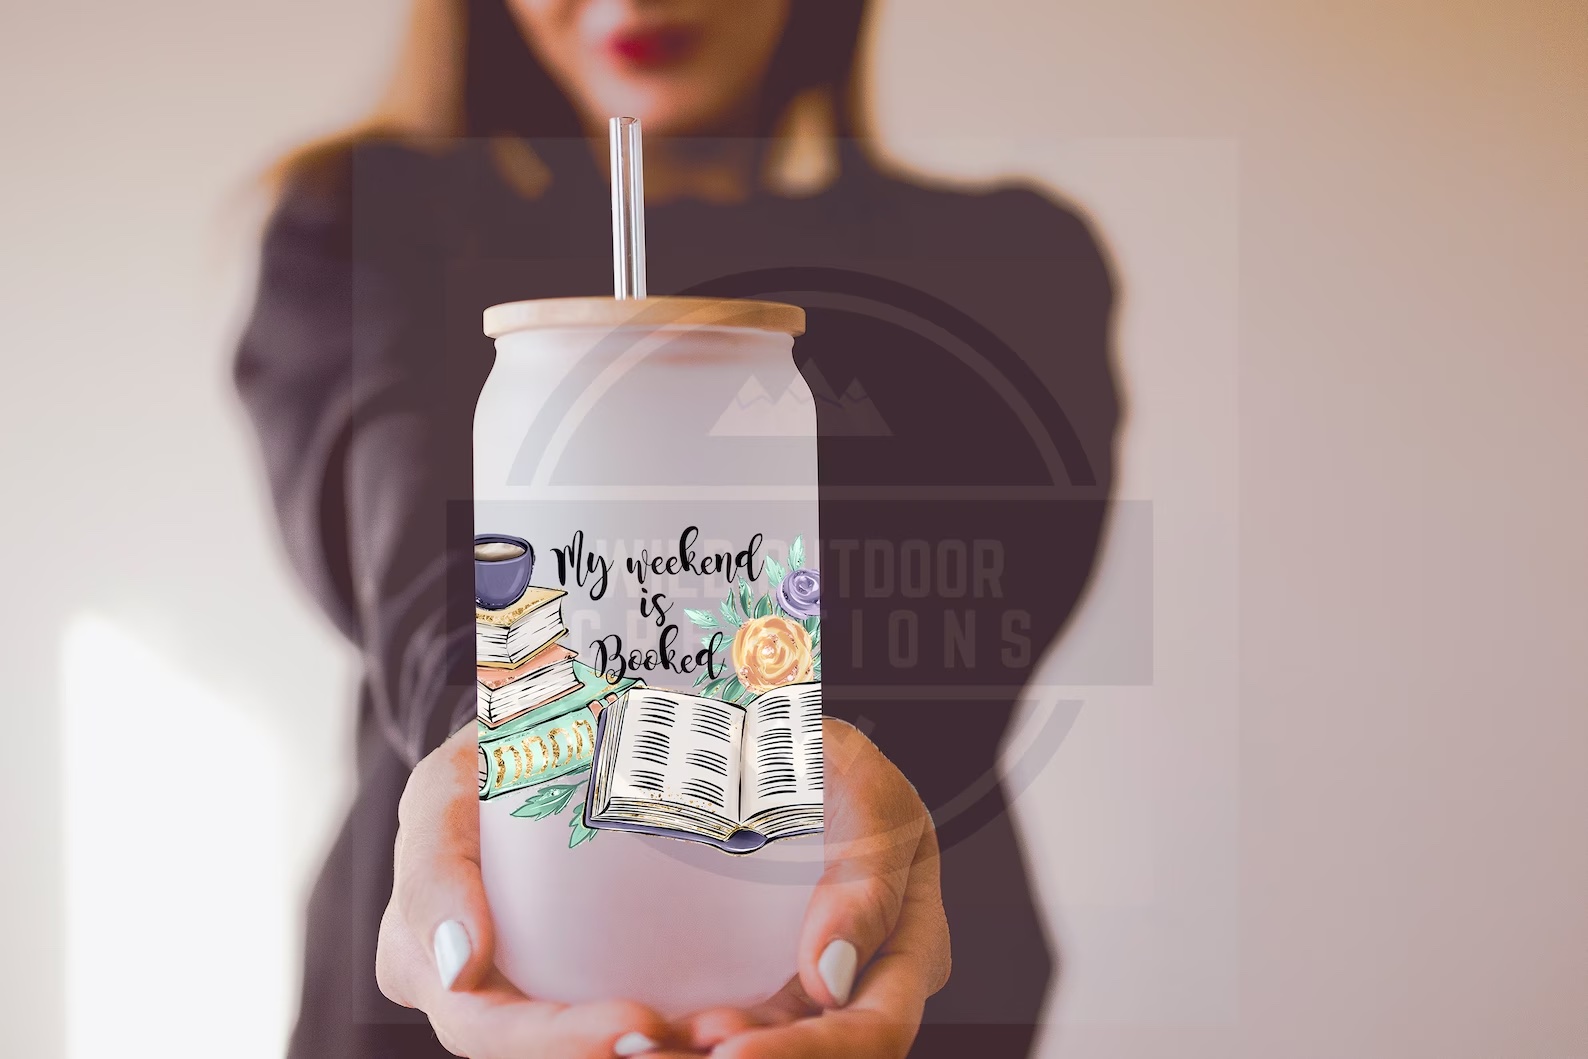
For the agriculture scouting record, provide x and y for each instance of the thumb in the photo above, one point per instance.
(873, 828)
(437, 887)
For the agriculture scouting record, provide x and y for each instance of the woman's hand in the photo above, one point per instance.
(873, 947)
(434, 951)
(875, 942)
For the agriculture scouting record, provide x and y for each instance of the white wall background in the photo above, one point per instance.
(1349, 816)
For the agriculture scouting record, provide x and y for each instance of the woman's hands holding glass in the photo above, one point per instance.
(873, 947)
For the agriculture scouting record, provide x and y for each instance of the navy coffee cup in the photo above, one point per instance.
(499, 582)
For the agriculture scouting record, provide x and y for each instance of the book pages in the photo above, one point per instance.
(677, 752)
(783, 760)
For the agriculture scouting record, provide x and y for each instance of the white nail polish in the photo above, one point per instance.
(633, 1044)
(452, 947)
(837, 968)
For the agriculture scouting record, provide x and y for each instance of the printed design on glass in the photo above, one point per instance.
(720, 745)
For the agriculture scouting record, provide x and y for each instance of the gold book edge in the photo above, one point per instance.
(506, 616)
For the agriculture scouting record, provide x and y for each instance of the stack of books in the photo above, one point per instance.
(518, 660)
(537, 702)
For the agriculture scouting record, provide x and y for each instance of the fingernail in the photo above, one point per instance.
(452, 951)
(837, 968)
(634, 1044)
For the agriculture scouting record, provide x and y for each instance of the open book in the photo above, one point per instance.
(736, 777)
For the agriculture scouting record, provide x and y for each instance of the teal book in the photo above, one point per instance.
(552, 740)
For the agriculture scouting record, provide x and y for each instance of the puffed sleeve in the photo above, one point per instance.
(365, 434)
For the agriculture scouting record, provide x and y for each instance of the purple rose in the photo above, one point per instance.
(800, 594)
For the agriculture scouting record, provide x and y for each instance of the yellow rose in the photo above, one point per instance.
(770, 652)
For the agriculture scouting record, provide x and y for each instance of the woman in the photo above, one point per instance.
(961, 504)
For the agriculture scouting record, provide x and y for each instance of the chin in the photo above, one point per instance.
(662, 110)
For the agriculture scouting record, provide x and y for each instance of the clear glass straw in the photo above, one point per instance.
(628, 209)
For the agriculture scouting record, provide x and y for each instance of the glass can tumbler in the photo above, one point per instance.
(648, 648)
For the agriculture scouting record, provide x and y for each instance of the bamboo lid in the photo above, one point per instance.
(643, 312)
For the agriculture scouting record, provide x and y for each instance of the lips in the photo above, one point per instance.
(661, 46)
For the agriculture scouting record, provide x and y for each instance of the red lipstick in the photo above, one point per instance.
(659, 46)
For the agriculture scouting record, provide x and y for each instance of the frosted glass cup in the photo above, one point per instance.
(659, 457)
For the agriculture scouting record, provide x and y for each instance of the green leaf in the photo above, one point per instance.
(548, 801)
(813, 624)
(744, 597)
(796, 553)
(578, 833)
(728, 611)
(774, 571)
(703, 618)
(715, 686)
(732, 687)
(763, 606)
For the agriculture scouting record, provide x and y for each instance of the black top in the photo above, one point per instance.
(958, 345)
